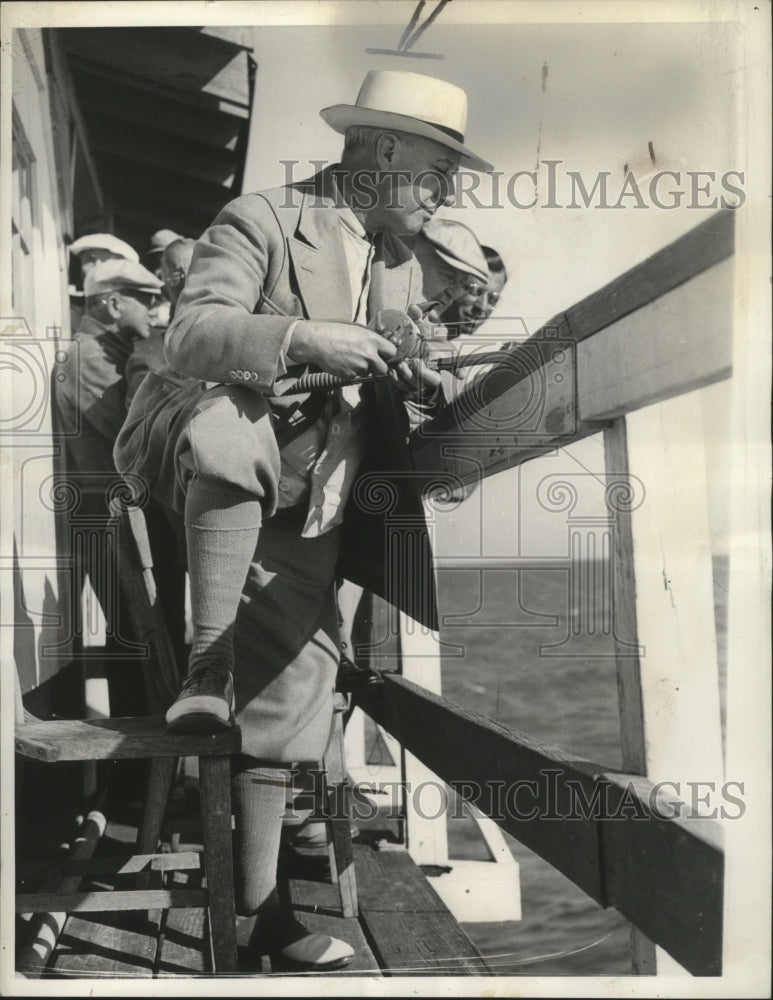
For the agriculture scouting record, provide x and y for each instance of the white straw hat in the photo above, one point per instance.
(413, 103)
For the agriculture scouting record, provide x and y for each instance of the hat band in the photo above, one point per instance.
(450, 132)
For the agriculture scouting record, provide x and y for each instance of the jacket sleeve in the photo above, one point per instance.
(216, 336)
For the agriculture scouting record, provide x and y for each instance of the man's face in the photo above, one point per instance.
(475, 306)
(175, 262)
(446, 284)
(479, 302)
(418, 180)
(135, 313)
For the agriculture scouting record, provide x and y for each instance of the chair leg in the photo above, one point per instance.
(162, 772)
(215, 786)
(343, 858)
(338, 808)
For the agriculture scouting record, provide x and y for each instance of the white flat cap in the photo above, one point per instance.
(104, 241)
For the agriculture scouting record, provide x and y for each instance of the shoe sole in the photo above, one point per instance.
(287, 965)
(199, 723)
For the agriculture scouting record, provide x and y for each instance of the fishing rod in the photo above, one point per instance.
(400, 330)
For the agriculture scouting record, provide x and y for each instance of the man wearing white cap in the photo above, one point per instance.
(283, 490)
(451, 261)
(90, 398)
(88, 250)
(101, 246)
(89, 408)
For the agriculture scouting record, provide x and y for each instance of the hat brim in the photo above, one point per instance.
(457, 264)
(148, 289)
(341, 116)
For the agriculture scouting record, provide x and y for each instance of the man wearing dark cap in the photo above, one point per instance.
(281, 489)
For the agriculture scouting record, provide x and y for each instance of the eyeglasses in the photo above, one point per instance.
(479, 291)
(176, 277)
(147, 299)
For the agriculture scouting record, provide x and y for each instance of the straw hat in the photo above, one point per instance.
(413, 103)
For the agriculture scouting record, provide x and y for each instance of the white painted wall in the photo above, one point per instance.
(30, 545)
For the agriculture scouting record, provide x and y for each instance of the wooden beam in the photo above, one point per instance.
(63, 77)
(148, 145)
(116, 739)
(584, 819)
(679, 342)
(114, 865)
(124, 101)
(108, 902)
(181, 59)
(141, 183)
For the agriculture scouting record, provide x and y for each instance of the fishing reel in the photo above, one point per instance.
(402, 331)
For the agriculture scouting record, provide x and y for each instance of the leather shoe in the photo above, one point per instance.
(353, 678)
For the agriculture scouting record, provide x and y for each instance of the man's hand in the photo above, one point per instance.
(414, 379)
(343, 349)
(428, 321)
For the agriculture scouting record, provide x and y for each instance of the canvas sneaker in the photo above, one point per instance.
(205, 703)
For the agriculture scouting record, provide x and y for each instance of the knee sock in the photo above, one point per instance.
(259, 798)
(221, 531)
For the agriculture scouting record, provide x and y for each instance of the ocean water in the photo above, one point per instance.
(536, 660)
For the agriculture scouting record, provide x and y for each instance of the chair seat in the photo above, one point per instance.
(113, 739)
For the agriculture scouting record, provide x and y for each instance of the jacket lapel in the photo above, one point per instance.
(391, 276)
(319, 261)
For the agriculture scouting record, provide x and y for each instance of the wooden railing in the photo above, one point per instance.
(609, 832)
(661, 330)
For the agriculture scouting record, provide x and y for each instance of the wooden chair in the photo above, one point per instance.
(147, 739)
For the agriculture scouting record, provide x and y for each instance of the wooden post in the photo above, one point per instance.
(663, 602)
(424, 794)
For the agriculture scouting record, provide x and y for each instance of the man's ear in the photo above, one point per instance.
(113, 305)
(386, 149)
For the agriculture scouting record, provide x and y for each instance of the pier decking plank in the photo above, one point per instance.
(409, 927)
(318, 906)
(106, 944)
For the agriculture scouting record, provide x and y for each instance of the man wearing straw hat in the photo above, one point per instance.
(280, 490)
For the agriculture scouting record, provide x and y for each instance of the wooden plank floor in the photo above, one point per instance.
(403, 929)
